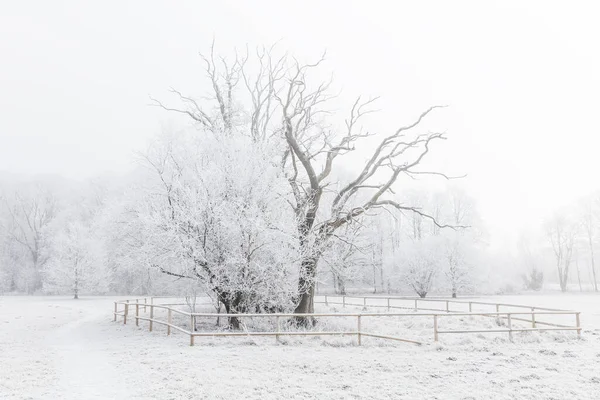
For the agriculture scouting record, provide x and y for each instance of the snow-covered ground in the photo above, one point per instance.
(59, 348)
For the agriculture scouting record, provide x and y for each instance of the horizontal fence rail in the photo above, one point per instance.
(385, 302)
(125, 308)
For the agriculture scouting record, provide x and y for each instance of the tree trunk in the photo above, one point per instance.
(335, 283)
(343, 287)
(233, 305)
(306, 287)
(76, 283)
(374, 277)
(594, 275)
(308, 265)
(562, 278)
(234, 323)
(593, 264)
(340, 285)
(306, 304)
(563, 283)
(578, 274)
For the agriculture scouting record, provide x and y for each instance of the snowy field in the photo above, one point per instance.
(58, 348)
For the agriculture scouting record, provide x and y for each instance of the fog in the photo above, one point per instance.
(520, 80)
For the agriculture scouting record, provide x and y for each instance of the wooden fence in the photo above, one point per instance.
(416, 304)
(450, 308)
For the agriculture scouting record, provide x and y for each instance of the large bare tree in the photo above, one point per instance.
(273, 98)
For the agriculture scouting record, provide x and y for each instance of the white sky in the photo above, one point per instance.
(522, 80)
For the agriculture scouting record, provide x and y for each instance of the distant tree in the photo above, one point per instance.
(124, 236)
(12, 271)
(347, 255)
(421, 263)
(458, 270)
(530, 259)
(76, 262)
(30, 214)
(562, 232)
(462, 243)
(589, 211)
(534, 279)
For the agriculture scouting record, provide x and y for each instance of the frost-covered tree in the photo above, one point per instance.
(429, 255)
(217, 213)
(422, 261)
(123, 236)
(589, 216)
(462, 245)
(347, 256)
(76, 263)
(562, 232)
(458, 269)
(531, 260)
(274, 99)
(12, 264)
(27, 215)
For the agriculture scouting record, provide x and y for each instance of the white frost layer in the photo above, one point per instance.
(58, 348)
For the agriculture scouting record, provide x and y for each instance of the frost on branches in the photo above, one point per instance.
(277, 100)
(76, 262)
(347, 256)
(459, 269)
(25, 217)
(421, 263)
(217, 213)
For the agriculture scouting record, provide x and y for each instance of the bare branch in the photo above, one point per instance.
(419, 212)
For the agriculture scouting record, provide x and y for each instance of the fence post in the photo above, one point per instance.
(435, 328)
(388, 303)
(326, 301)
(145, 304)
(125, 313)
(115, 312)
(359, 336)
(277, 331)
(344, 301)
(192, 323)
(578, 325)
(447, 306)
(151, 317)
(169, 317)
(510, 333)
(497, 316)
(364, 301)
(533, 317)
(470, 307)
(416, 308)
(191, 330)
(137, 314)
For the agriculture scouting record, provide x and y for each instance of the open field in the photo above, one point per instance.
(58, 348)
